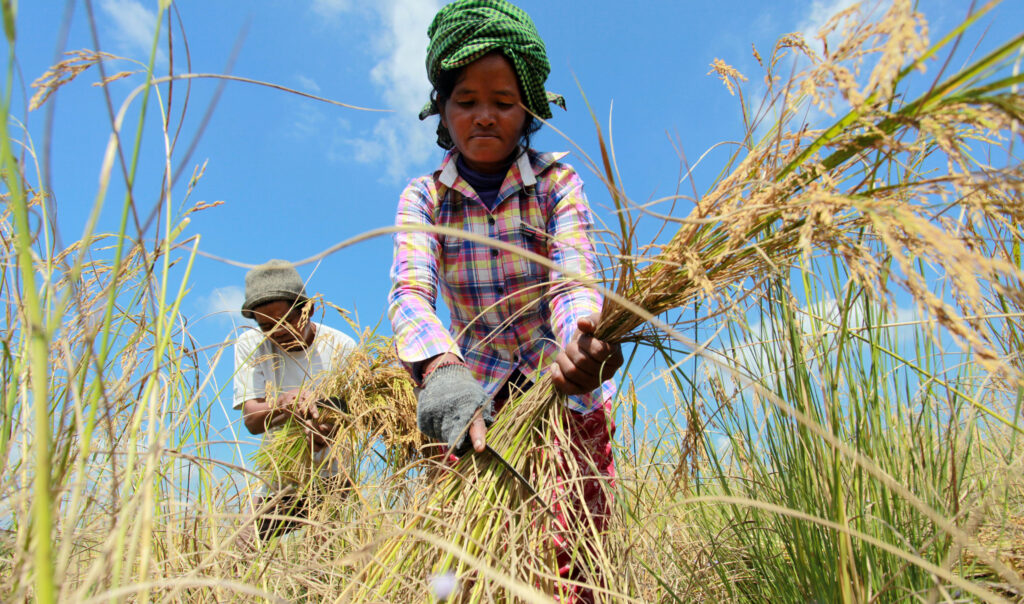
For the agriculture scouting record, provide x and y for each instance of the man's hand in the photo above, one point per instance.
(586, 362)
(453, 408)
(319, 432)
(304, 409)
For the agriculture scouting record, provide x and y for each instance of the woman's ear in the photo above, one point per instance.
(436, 98)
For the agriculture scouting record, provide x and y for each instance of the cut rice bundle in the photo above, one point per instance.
(371, 403)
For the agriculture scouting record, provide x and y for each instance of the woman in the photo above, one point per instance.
(508, 315)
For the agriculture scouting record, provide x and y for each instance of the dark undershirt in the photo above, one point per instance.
(487, 186)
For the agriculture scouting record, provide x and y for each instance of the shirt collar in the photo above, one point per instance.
(526, 170)
(529, 165)
(449, 170)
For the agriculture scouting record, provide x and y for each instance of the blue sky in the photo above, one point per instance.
(297, 176)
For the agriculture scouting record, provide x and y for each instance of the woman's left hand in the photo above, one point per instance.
(587, 361)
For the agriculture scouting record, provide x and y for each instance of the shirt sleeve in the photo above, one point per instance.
(249, 381)
(572, 249)
(412, 302)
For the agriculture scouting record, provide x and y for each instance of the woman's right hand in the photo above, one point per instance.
(587, 362)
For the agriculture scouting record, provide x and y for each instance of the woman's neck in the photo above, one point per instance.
(487, 185)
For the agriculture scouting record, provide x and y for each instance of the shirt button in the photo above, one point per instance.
(494, 253)
(500, 290)
(490, 220)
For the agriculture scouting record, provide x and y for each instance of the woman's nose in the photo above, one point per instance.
(485, 117)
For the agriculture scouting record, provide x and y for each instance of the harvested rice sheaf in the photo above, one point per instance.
(379, 397)
(370, 401)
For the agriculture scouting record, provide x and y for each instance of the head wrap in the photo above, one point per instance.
(466, 30)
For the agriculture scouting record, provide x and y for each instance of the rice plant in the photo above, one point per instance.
(840, 316)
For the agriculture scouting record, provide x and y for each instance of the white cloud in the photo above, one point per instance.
(307, 84)
(331, 8)
(401, 73)
(307, 121)
(134, 27)
(400, 139)
(225, 303)
(818, 14)
(814, 19)
(401, 142)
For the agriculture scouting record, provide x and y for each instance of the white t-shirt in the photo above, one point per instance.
(262, 368)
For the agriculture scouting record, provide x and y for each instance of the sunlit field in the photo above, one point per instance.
(838, 319)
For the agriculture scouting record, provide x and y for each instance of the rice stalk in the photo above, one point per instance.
(113, 398)
(36, 351)
(478, 509)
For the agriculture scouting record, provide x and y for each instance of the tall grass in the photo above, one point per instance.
(810, 520)
(840, 316)
(102, 387)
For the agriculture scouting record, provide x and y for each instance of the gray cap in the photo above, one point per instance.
(270, 282)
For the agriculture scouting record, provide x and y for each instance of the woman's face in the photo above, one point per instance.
(484, 115)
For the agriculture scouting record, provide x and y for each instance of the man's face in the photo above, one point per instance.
(286, 325)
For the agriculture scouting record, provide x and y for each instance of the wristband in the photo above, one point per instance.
(440, 365)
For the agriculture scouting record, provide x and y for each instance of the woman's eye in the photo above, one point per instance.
(464, 104)
(505, 105)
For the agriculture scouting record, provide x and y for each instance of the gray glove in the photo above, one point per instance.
(446, 404)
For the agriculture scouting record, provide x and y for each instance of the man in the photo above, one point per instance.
(277, 368)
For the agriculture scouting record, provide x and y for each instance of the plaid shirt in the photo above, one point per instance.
(507, 313)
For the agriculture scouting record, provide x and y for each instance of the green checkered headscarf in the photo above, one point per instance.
(466, 30)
